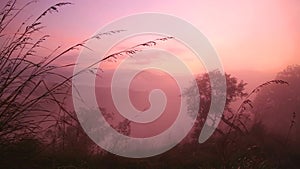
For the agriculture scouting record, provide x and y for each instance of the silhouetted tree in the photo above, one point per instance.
(235, 90)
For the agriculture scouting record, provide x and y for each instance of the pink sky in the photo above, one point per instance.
(248, 35)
